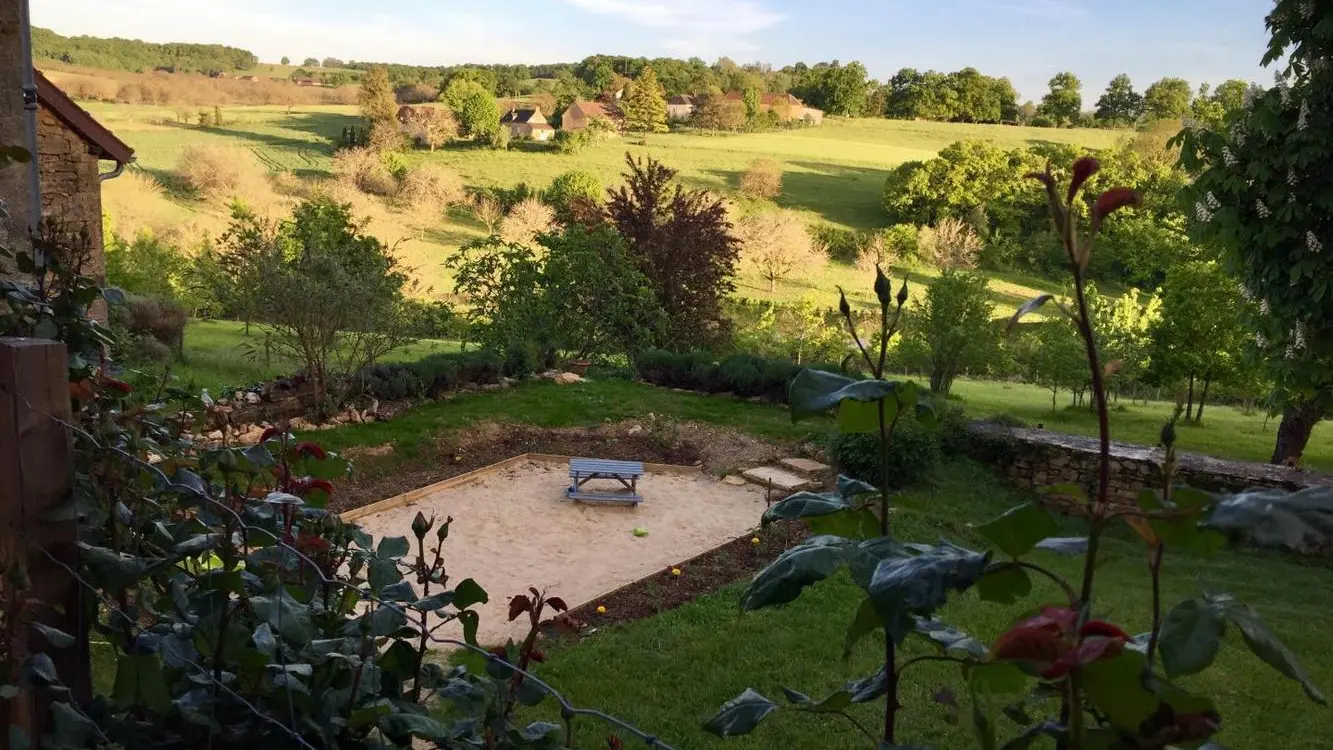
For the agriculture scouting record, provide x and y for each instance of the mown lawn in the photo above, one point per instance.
(670, 673)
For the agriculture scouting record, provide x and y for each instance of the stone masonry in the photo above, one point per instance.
(1036, 458)
(71, 190)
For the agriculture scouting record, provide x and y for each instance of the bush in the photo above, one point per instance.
(572, 142)
(217, 172)
(364, 169)
(431, 375)
(842, 244)
(522, 358)
(391, 382)
(160, 319)
(525, 221)
(432, 188)
(1042, 121)
(395, 163)
(572, 186)
(744, 375)
(912, 457)
(762, 180)
(690, 370)
(951, 244)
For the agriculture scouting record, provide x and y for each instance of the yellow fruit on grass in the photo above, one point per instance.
(675, 571)
(601, 609)
(754, 541)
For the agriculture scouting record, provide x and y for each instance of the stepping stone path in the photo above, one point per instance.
(793, 475)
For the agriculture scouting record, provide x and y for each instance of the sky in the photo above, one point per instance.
(1026, 40)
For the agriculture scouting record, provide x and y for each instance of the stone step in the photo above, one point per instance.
(781, 480)
(807, 467)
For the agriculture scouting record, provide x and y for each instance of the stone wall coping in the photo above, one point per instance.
(1187, 463)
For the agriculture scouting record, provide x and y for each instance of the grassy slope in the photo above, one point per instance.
(834, 173)
(669, 673)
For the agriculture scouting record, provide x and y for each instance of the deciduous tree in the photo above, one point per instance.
(478, 113)
(1167, 99)
(1121, 104)
(682, 241)
(1064, 102)
(776, 246)
(1262, 195)
(954, 324)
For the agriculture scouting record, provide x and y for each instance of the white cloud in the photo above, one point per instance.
(693, 27)
(270, 31)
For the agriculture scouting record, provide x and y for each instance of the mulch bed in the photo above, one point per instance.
(704, 574)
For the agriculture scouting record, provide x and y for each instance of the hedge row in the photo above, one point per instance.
(432, 375)
(742, 374)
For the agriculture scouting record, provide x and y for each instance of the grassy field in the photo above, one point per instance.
(833, 174)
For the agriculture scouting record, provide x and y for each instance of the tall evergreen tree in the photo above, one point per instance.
(377, 101)
(645, 104)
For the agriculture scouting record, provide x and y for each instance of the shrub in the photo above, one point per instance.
(912, 457)
(161, 319)
(572, 142)
(690, 370)
(900, 240)
(742, 374)
(840, 244)
(525, 221)
(522, 358)
(364, 169)
(954, 324)
(432, 188)
(875, 253)
(574, 186)
(1042, 121)
(218, 172)
(395, 163)
(391, 382)
(951, 243)
(499, 139)
(416, 93)
(762, 180)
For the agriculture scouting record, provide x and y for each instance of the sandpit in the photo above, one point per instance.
(513, 528)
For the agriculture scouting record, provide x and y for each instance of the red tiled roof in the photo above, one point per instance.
(103, 142)
(589, 109)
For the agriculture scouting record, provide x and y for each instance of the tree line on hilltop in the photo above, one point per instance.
(138, 56)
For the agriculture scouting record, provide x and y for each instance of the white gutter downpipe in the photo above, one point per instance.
(29, 86)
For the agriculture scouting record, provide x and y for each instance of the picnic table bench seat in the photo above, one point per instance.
(583, 470)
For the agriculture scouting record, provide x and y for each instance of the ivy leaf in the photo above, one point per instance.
(1019, 529)
(1004, 585)
(793, 570)
(1190, 638)
(740, 715)
(469, 592)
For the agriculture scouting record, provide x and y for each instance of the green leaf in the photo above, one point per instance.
(1190, 638)
(41, 667)
(996, 678)
(1116, 687)
(1019, 529)
(264, 639)
(1065, 545)
(1004, 585)
(861, 523)
(381, 574)
(740, 715)
(833, 703)
(867, 621)
(814, 392)
(869, 688)
(470, 620)
(948, 638)
(70, 728)
(863, 416)
(392, 547)
(288, 617)
(57, 638)
(837, 513)
(139, 683)
(793, 570)
(920, 582)
(1272, 651)
(1298, 521)
(469, 592)
(114, 570)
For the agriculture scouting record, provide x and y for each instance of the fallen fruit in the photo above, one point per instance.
(640, 531)
(754, 541)
(601, 609)
(675, 571)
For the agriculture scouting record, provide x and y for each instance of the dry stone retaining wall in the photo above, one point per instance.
(1034, 458)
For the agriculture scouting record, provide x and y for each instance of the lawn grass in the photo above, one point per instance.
(1226, 431)
(219, 354)
(834, 174)
(669, 673)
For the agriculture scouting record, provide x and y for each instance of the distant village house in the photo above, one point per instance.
(681, 107)
(581, 113)
(787, 107)
(528, 123)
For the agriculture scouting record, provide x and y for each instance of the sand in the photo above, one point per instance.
(514, 528)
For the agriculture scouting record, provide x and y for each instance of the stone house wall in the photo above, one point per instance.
(1035, 458)
(71, 189)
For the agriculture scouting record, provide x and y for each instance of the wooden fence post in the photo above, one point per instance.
(36, 476)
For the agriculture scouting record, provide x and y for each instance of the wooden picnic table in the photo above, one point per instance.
(584, 470)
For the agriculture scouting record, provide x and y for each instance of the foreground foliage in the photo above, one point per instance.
(1108, 689)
